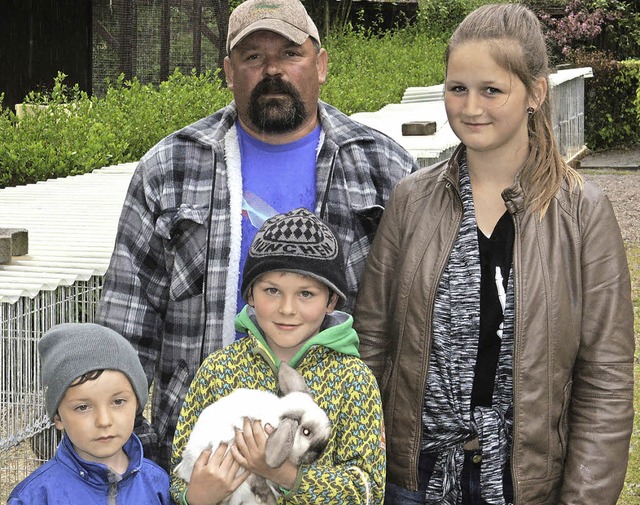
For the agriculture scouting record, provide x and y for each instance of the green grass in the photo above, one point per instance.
(631, 492)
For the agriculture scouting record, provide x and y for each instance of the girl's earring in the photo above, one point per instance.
(530, 110)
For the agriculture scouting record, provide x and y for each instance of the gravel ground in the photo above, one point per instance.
(623, 189)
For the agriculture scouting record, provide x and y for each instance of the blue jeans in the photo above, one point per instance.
(470, 482)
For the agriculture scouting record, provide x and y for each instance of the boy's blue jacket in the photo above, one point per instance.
(67, 479)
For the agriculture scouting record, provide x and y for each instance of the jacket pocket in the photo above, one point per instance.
(563, 423)
(388, 396)
(184, 234)
(368, 219)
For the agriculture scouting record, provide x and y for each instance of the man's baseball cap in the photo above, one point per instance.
(288, 18)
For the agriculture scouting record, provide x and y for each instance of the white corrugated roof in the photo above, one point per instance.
(427, 104)
(72, 223)
(423, 104)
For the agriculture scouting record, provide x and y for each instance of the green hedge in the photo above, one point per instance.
(367, 73)
(75, 133)
(612, 102)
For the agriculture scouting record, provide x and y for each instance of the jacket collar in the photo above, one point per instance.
(513, 196)
(337, 128)
(336, 333)
(97, 474)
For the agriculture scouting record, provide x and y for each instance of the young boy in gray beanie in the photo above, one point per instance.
(293, 279)
(94, 386)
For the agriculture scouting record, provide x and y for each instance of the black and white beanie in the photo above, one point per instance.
(299, 242)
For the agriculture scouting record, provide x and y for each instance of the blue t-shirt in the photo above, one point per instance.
(276, 178)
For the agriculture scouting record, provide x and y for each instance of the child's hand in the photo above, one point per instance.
(249, 453)
(214, 477)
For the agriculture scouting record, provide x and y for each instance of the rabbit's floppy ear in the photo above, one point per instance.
(290, 380)
(280, 442)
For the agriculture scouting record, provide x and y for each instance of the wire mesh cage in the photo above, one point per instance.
(149, 39)
(27, 438)
(568, 116)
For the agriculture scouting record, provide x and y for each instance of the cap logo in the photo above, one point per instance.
(295, 237)
(267, 6)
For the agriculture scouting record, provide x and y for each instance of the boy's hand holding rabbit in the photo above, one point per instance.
(214, 477)
(249, 451)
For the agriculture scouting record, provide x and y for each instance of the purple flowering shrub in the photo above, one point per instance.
(603, 35)
(583, 23)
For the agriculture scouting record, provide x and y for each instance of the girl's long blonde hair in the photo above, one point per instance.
(520, 49)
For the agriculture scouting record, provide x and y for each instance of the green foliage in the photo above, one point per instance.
(581, 26)
(626, 38)
(75, 134)
(441, 17)
(631, 492)
(144, 114)
(368, 69)
(611, 113)
(364, 77)
(632, 73)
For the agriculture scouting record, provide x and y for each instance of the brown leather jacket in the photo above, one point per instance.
(574, 342)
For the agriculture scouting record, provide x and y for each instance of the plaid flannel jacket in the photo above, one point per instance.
(171, 286)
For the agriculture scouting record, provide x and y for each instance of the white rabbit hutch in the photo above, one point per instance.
(72, 222)
(423, 105)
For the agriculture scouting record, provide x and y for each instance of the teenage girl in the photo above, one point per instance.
(495, 308)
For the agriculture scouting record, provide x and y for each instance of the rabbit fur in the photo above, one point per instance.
(302, 431)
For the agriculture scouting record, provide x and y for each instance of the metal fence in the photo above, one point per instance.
(567, 93)
(148, 39)
(26, 441)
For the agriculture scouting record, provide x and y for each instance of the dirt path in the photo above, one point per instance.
(624, 192)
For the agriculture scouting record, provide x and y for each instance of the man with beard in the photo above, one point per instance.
(198, 197)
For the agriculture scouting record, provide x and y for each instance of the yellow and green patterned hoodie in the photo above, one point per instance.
(351, 470)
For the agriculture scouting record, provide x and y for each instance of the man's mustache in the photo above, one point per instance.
(271, 85)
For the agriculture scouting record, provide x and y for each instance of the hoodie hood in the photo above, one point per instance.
(336, 333)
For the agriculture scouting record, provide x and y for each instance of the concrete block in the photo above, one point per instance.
(5, 250)
(419, 128)
(17, 245)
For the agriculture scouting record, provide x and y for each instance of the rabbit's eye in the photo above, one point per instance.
(306, 432)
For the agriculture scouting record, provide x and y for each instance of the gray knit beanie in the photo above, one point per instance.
(70, 350)
(299, 242)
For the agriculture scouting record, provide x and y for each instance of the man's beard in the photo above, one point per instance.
(276, 115)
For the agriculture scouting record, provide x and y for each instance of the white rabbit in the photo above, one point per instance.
(302, 431)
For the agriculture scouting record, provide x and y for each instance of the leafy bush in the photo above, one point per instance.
(612, 116)
(592, 25)
(583, 21)
(363, 76)
(76, 133)
(599, 34)
(442, 16)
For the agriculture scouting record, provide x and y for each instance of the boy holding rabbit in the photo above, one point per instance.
(94, 386)
(293, 280)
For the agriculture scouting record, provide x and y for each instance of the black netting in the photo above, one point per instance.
(149, 39)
